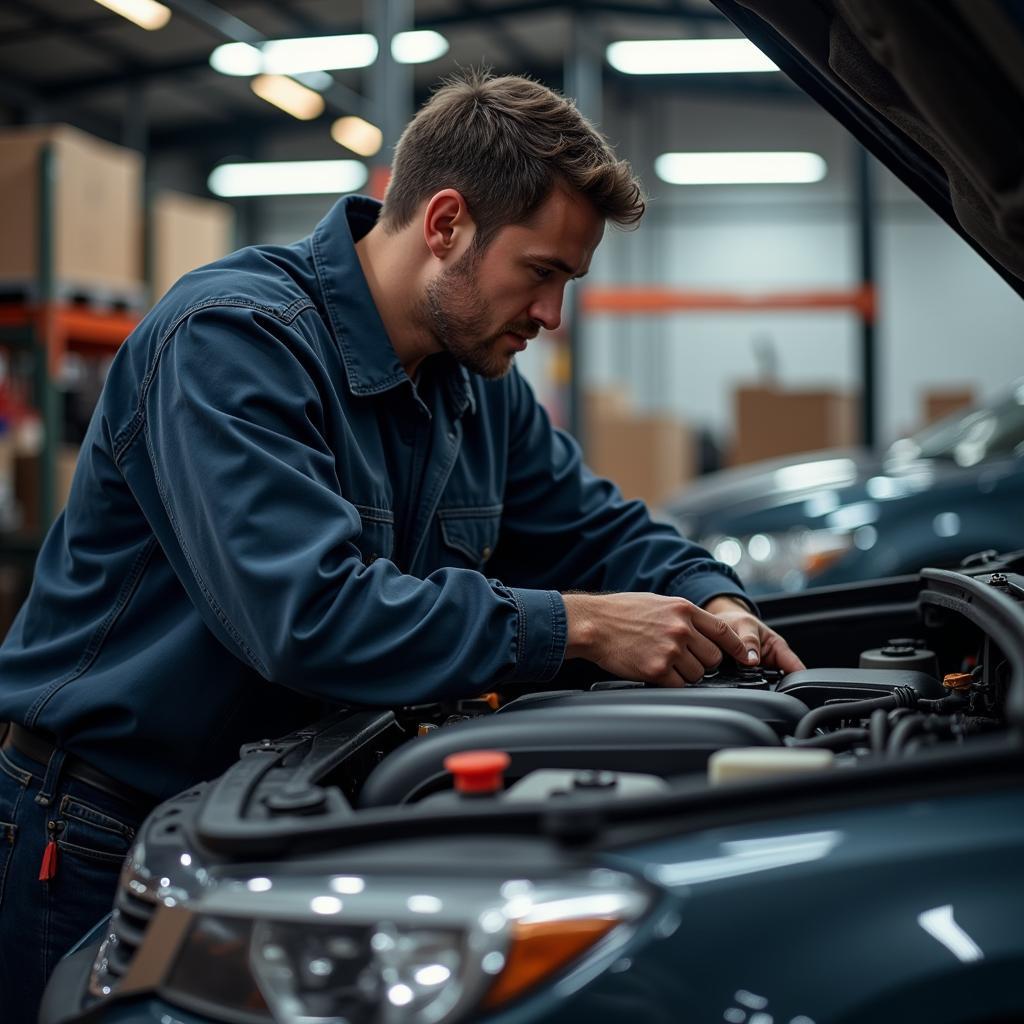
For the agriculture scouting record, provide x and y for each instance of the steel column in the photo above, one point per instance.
(583, 67)
(391, 83)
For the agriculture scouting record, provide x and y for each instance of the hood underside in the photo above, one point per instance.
(933, 88)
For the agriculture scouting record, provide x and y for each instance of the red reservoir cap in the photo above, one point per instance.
(478, 771)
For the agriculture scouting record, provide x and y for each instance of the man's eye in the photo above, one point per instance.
(543, 273)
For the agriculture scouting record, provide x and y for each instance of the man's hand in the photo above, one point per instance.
(770, 649)
(664, 640)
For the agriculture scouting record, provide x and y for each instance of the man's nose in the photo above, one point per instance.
(547, 310)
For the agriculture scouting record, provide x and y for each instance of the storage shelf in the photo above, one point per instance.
(48, 331)
(64, 327)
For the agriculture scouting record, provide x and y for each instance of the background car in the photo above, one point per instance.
(952, 489)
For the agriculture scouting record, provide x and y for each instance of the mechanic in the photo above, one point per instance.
(315, 476)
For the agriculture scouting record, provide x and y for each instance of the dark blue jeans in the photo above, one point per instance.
(41, 920)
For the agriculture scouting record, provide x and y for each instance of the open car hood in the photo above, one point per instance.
(933, 88)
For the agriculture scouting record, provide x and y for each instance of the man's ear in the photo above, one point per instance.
(448, 229)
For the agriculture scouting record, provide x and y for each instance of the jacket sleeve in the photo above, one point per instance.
(246, 503)
(565, 527)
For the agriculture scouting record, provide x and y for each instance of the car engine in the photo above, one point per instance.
(929, 670)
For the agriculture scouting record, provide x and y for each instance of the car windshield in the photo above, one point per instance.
(967, 438)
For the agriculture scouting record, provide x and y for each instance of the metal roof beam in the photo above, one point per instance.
(120, 54)
(41, 23)
(218, 22)
(521, 55)
(92, 83)
(224, 25)
(228, 28)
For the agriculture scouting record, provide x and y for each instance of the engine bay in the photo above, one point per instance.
(937, 700)
(899, 670)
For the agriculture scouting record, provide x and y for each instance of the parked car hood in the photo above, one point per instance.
(934, 91)
(783, 493)
(775, 481)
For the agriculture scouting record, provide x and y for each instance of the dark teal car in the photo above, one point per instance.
(842, 844)
(838, 516)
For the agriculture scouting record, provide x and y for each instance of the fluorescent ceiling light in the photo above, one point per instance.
(319, 53)
(687, 56)
(418, 47)
(295, 56)
(239, 59)
(290, 96)
(147, 14)
(287, 178)
(739, 168)
(358, 135)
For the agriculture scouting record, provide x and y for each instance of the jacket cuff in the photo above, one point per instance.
(701, 583)
(541, 634)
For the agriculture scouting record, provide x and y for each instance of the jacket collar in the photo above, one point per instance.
(370, 359)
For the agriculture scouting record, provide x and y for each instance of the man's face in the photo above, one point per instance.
(485, 307)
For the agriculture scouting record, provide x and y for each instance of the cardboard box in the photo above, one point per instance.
(97, 210)
(649, 457)
(940, 402)
(186, 232)
(771, 422)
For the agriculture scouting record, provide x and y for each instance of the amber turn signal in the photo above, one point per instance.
(539, 949)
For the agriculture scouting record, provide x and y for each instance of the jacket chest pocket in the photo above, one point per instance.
(377, 539)
(470, 534)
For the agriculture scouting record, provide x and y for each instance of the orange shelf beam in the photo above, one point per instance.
(634, 300)
(67, 327)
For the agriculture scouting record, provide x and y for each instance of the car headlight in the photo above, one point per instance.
(370, 949)
(790, 560)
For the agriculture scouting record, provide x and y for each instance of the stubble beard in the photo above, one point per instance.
(458, 318)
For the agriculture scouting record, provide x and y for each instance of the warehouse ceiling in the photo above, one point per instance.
(76, 61)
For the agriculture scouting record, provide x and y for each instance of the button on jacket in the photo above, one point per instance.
(268, 515)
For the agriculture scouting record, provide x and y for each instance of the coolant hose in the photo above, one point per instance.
(878, 727)
(905, 729)
(841, 739)
(901, 697)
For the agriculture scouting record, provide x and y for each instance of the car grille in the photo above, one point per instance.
(134, 907)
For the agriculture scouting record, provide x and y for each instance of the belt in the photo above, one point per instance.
(40, 749)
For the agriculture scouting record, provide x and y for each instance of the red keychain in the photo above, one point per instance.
(48, 868)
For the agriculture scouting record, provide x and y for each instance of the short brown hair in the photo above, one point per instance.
(503, 143)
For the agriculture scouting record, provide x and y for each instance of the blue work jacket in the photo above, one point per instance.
(268, 515)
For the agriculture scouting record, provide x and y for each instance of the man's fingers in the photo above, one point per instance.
(784, 658)
(673, 679)
(752, 648)
(706, 651)
(689, 667)
(725, 636)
